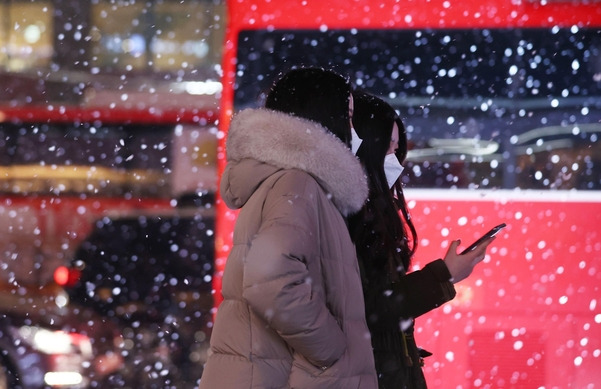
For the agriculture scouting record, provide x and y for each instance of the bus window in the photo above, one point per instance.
(130, 160)
(86, 158)
(468, 97)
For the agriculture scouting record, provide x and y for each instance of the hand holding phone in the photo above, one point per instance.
(493, 231)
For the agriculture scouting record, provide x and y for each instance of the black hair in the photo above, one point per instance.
(378, 230)
(316, 94)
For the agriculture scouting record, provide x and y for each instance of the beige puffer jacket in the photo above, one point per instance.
(293, 313)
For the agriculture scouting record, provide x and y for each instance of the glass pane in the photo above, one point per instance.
(162, 37)
(86, 158)
(26, 35)
(186, 36)
(119, 37)
(482, 107)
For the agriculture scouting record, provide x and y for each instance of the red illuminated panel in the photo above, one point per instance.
(531, 306)
(408, 13)
(506, 359)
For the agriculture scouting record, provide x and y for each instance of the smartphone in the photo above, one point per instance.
(494, 231)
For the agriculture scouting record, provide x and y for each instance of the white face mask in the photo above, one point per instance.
(355, 141)
(392, 169)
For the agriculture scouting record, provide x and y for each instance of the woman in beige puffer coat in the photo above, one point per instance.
(293, 313)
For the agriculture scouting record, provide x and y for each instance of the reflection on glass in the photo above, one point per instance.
(560, 157)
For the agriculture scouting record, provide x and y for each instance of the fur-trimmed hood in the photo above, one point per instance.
(282, 141)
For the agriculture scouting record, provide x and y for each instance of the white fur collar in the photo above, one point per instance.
(290, 142)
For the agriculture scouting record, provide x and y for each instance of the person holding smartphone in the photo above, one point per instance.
(393, 296)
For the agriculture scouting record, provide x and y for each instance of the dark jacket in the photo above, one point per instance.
(392, 304)
(292, 314)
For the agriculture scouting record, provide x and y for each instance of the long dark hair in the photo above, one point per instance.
(316, 94)
(378, 229)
